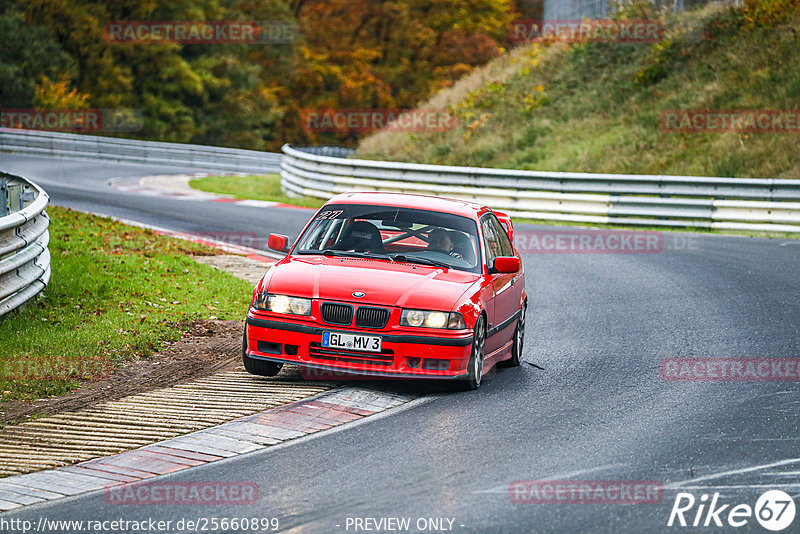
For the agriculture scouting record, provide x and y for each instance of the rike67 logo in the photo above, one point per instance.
(774, 510)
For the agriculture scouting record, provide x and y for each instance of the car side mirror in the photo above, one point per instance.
(506, 264)
(278, 242)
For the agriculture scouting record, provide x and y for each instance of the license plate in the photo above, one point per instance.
(337, 340)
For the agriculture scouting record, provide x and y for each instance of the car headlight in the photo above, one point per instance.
(282, 304)
(432, 319)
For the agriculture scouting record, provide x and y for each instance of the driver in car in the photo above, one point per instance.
(439, 240)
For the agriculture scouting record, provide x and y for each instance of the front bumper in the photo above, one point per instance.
(404, 355)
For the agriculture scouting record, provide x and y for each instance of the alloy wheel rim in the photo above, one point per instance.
(521, 330)
(478, 350)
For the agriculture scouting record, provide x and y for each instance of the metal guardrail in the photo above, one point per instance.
(24, 256)
(91, 147)
(333, 151)
(754, 204)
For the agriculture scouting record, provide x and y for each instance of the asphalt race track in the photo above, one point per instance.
(84, 186)
(588, 404)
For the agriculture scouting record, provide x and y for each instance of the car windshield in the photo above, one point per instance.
(393, 233)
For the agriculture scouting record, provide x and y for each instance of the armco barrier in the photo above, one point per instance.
(24, 256)
(117, 150)
(753, 204)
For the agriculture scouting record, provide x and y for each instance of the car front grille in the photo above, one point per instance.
(367, 317)
(318, 352)
(337, 313)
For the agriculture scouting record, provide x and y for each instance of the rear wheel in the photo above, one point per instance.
(475, 365)
(255, 366)
(519, 340)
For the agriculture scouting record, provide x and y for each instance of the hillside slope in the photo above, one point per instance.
(597, 107)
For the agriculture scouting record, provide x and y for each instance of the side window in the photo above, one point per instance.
(502, 237)
(490, 241)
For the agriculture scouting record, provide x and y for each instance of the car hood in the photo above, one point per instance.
(383, 283)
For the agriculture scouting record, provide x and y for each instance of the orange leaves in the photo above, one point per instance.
(58, 94)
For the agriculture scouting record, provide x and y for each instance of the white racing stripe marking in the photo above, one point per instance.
(176, 187)
(739, 486)
(256, 203)
(741, 471)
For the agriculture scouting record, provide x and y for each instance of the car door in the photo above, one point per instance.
(513, 297)
(507, 292)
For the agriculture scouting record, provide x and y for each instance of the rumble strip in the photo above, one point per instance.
(259, 431)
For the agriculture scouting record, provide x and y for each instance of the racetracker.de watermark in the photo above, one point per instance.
(182, 493)
(56, 369)
(586, 492)
(238, 239)
(730, 120)
(313, 373)
(592, 31)
(730, 369)
(371, 120)
(200, 32)
(211, 523)
(73, 120)
(587, 241)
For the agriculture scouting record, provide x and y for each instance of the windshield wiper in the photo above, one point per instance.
(417, 259)
(377, 256)
(353, 254)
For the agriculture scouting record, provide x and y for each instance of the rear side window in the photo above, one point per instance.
(502, 236)
(495, 239)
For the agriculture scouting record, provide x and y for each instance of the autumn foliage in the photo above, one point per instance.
(348, 54)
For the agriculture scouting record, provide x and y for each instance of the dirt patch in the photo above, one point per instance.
(207, 348)
(245, 268)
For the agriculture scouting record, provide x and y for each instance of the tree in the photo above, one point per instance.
(28, 54)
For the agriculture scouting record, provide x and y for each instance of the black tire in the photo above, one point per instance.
(519, 341)
(475, 366)
(255, 366)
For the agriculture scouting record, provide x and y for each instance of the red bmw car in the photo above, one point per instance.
(392, 285)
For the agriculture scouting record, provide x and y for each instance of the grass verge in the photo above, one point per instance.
(116, 293)
(255, 187)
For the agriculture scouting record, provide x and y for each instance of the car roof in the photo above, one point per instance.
(405, 200)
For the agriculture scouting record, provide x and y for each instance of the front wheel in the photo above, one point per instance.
(255, 366)
(475, 371)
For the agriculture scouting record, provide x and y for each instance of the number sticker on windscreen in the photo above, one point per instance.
(330, 214)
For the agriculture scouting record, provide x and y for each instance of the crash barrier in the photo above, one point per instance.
(24, 256)
(118, 150)
(750, 204)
